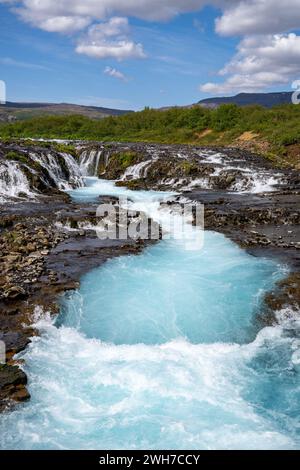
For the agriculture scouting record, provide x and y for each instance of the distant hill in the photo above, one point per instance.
(268, 100)
(19, 111)
(11, 112)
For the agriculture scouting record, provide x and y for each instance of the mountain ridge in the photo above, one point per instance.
(13, 111)
(267, 100)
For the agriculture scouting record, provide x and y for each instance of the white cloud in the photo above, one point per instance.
(112, 72)
(64, 24)
(246, 17)
(116, 26)
(50, 16)
(118, 50)
(110, 39)
(261, 62)
(239, 16)
(266, 55)
(242, 84)
(37, 11)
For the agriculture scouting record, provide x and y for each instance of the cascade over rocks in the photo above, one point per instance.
(153, 166)
(28, 170)
(48, 241)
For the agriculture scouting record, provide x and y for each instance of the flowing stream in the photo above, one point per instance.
(162, 350)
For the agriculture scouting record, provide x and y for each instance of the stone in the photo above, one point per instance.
(36, 255)
(15, 292)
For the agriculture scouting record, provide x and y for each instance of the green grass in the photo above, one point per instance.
(22, 158)
(17, 157)
(59, 147)
(278, 127)
(127, 159)
(119, 162)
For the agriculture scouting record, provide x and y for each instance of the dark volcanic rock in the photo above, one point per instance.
(119, 161)
(13, 383)
(287, 294)
(226, 179)
(254, 220)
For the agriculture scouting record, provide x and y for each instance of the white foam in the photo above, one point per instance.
(264, 183)
(89, 162)
(137, 171)
(91, 395)
(13, 181)
(54, 168)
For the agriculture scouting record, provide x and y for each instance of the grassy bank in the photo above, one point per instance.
(274, 133)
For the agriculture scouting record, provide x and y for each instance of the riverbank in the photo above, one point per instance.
(271, 133)
(42, 257)
(244, 198)
(46, 246)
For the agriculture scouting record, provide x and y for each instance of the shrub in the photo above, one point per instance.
(17, 157)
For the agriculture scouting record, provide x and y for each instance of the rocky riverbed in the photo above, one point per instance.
(47, 241)
(43, 255)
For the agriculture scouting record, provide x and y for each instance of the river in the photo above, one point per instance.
(162, 350)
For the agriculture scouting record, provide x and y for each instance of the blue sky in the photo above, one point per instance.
(132, 61)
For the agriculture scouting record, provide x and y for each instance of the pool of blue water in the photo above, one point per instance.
(162, 350)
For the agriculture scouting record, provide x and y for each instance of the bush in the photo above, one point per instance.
(278, 127)
(226, 117)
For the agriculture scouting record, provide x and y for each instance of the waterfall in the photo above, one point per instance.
(13, 181)
(54, 169)
(65, 175)
(75, 174)
(137, 171)
(89, 162)
(252, 179)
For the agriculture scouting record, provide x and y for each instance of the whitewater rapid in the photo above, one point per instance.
(162, 350)
(13, 182)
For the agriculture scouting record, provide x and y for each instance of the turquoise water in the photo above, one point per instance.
(169, 293)
(162, 350)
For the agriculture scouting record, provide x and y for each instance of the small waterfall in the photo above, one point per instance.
(13, 181)
(75, 174)
(251, 179)
(65, 175)
(89, 162)
(137, 171)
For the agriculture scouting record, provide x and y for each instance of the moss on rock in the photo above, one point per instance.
(119, 162)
